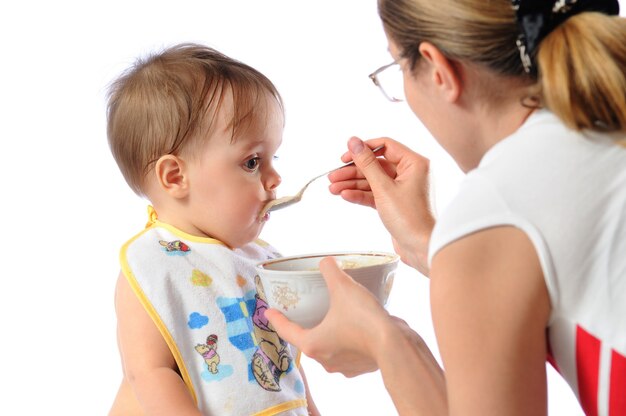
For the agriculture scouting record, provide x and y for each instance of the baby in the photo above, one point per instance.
(195, 132)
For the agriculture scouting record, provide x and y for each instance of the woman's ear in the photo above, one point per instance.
(444, 72)
(172, 176)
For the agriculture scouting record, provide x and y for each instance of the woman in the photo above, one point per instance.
(529, 98)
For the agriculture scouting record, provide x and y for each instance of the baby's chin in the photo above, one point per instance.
(243, 240)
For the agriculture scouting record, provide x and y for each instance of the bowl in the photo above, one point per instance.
(295, 286)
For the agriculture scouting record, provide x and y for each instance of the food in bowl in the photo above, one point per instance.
(295, 286)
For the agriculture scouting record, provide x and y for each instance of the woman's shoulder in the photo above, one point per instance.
(541, 131)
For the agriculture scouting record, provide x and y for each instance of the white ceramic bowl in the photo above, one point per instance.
(295, 286)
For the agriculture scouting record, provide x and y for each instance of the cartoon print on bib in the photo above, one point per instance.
(298, 387)
(208, 351)
(251, 333)
(197, 320)
(272, 358)
(175, 247)
(214, 369)
(237, 313)
(241, 282)
(199, 278)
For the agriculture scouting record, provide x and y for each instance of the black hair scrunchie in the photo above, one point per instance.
(537, 18)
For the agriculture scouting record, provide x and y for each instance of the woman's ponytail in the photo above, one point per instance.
(582, 72)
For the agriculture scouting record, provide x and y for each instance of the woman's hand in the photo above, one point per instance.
(357, 336)
(348, 338)
(397, 187)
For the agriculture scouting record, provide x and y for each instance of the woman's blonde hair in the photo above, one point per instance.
(581, 64)
(167, 104)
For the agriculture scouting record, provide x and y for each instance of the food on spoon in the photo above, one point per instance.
(272, 203)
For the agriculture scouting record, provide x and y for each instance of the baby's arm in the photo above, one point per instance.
(148, 363)
(311, 408)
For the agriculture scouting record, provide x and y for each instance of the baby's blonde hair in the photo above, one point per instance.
(581, 64)
(167, 104)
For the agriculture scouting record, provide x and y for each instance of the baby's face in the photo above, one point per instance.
(231, 182)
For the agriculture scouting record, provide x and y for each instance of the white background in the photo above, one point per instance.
(67, 210)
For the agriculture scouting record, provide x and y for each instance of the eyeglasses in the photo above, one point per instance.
(390, 83)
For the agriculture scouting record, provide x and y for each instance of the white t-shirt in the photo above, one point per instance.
(567, 192)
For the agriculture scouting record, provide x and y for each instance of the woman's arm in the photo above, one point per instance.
(412, 376)
(357, 335)
(148, 363)
(490, 310)
(489, 300)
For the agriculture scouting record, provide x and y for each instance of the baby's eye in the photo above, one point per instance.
(251, 164)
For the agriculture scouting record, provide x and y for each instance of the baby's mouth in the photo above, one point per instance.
(266, 208)
(264, 215)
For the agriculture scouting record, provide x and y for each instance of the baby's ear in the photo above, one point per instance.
(171, 176)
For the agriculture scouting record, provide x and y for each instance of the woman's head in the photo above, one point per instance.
(485, 33)
(169, 102)
(478, 31)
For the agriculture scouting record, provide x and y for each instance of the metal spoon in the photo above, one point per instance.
(286, 201)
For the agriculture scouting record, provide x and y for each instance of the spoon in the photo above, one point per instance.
(285, 201)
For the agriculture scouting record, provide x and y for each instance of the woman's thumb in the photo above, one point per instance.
(289, 331)
(366, 161)
(333, 275)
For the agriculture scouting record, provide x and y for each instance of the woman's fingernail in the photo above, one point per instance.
(355, 145)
